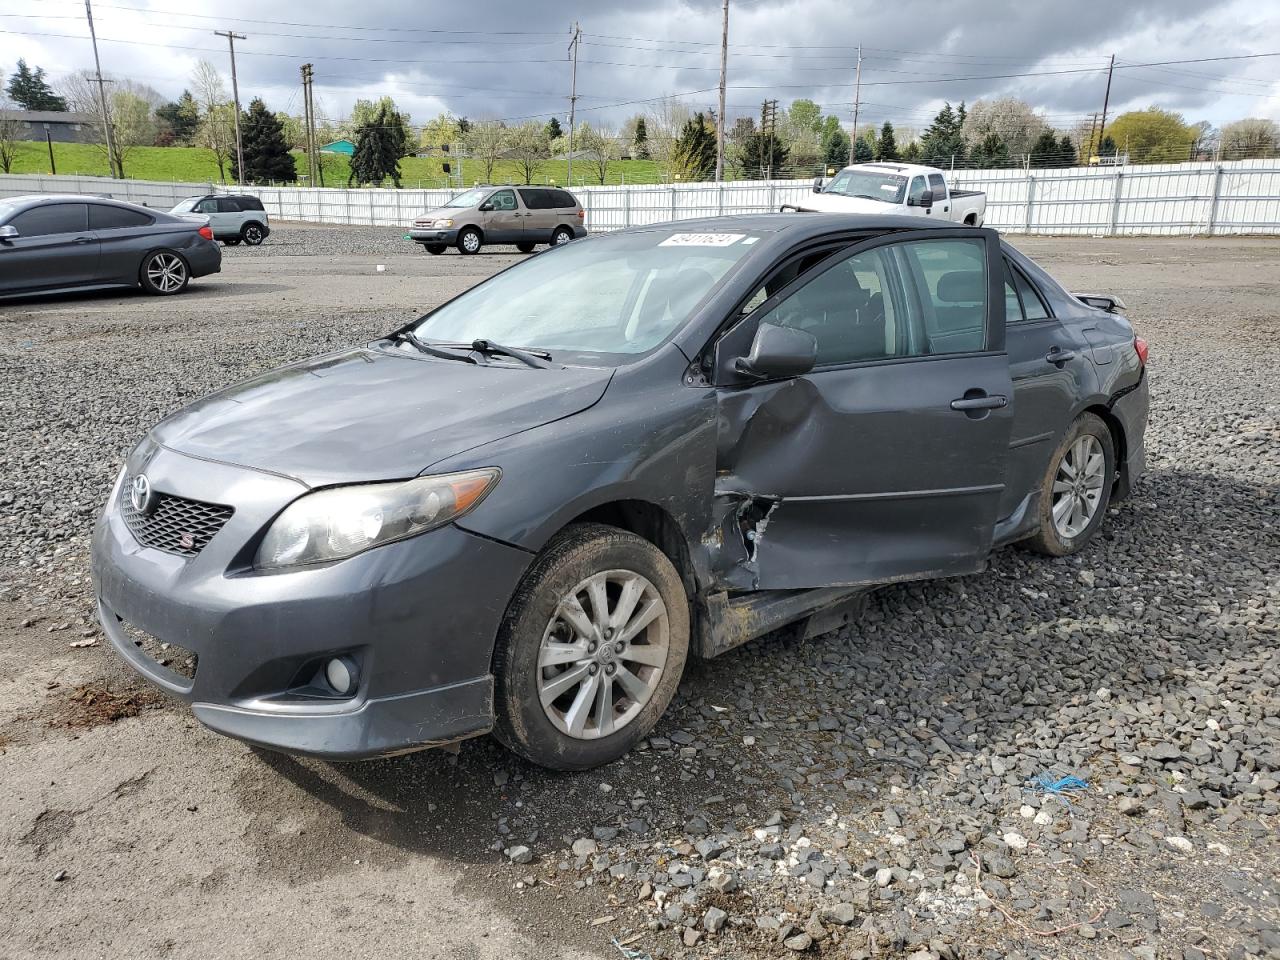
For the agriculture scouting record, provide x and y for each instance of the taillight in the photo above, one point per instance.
(1140, 347)
(206, 231)
(582, 214)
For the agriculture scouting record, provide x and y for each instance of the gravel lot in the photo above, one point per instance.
(878, 792)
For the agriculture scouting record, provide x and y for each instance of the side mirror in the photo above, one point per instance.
(817, 184)
(8, 232)
(778, 352)
(924, 200)
(486, 207)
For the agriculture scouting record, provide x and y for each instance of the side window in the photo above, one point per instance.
(917, 189)
(51, 218)
(207, 205)
(102, 217)
(564, 199)
(251, 203)
(1032, 302)
(853, 309)
(503, 200)
(228, 205)
(534, 199)
(1012, 306)
(950, 277)
(938, 186)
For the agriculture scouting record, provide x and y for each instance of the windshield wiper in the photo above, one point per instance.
(423, 347)
(533, 358)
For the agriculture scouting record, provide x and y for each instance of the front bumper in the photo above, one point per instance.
(418, 617)
(426, 235)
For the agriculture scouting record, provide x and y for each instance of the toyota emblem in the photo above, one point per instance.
(140, 493)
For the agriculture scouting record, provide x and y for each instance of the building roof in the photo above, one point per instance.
(48, 116)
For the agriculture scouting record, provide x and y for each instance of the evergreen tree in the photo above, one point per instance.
(180, 118)
(30, 91)
(862, 151)
(943, 140)
(1108, 147)
(553, 129)
(1044, 152)
(464, 126)
(1067, 156)
(886, 146)
(694, 155)
(378, 149)
(990, 152)
(835, 147)
(912, 153)
(640, 147)
(266, 152)
(761, 154)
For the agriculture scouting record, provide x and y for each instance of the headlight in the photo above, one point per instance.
(444, 223)
(343, 521)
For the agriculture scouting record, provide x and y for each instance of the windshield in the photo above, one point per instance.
(870, 186)
(469, 199)
(186, 206)
(621, 294)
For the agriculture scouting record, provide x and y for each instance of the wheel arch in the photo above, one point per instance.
(649, 522)
(1119, 442)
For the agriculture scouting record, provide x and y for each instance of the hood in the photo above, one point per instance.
(371, 414)
(441, 213)
(837, 203)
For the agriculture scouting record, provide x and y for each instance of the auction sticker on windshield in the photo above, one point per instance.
(702, 239)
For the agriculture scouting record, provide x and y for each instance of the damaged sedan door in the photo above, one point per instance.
(886, 459)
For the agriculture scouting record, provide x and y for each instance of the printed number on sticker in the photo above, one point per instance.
(701, 239)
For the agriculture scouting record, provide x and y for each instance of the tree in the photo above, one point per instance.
(216, 129)
(600, 146)
(178, 120)
(485, 142)
(10, 136)
(944, 139)
(694, 157)
(863, 151)
(528, 145)
(834, 143)
(1153, 135)
(1044, 152)
(912, 153)
(761, 154)
(1066, 152)
(1012, 120)
(886, 146)
(1250, 138)
(663, 125)
(553, 130)
(30, 91)
(990, 152)
(443, 131)
(384, 111)
(130, 111)
(294, 129)
(802, 129)
(640, 142)
(133, 122)
(266, 154)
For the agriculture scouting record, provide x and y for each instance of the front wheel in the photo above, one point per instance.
(163, 273)
(561, 235)
(469, 241)
(591, 649)
(1076, 489)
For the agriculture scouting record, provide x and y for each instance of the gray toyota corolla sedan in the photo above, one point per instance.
(522, 512)
(53, 244)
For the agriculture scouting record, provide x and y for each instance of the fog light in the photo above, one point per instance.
(342, 675)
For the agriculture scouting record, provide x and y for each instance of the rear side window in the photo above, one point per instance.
(250, 203)
(52, 218)
(1033, 307)
(950, 277)
(535, 199)
(563, 198)
(102, 217)
(228, 205)
(938, 186)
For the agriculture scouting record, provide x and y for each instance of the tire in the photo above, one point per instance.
(253, 234)
(1064, 530)
(163, 273)
(525, 247)
(561, 235)
(560, 736)
(470, 241)
(435, 249)
(231, 243)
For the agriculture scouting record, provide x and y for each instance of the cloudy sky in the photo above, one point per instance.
(506, 59)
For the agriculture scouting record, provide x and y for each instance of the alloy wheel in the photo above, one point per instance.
(252, 236)
(603, 654)
(167, 272)
(1077, 486)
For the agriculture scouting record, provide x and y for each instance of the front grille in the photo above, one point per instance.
(172, 657)
(174, 524)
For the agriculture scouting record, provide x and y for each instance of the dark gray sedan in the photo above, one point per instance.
(53, 244)
(522, 512)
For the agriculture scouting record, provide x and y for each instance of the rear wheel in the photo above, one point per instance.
(434, 248)
(525, 247)
(163, 273)
(252, 234)
(561, 235)
(469, 241)
(591, 650)
(1076, 489)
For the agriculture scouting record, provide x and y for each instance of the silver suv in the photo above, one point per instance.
(525, 216)
(233, 217)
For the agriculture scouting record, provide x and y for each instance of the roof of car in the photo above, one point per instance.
(35, 199)
(799, 225)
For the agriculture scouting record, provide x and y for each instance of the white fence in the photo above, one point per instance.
(1236, 197)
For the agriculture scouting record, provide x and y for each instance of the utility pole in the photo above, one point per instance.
(113, 157)
(1106, 99)
(309, 119)
(232, 37)
(1090, 148)
(573, 91)
(857, 102)
(724, 65)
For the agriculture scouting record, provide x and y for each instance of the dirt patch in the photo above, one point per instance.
(95, 704)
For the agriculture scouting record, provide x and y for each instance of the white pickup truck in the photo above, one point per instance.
(901, 188)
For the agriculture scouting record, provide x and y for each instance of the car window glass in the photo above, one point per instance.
(938, 186)
(563, 198)
(102, 217)
(1012, 308)
(1032, 302)
(503, 200)
(209, 205)
(534, 199)
(950, 277)
(228, 205)
(186, 206)
(852, 309)
(51, 218)
(917, 189)
(250, 203)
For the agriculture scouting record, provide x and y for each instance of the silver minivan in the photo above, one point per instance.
(524, 216)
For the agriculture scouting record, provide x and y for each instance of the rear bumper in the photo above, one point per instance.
(204, 259)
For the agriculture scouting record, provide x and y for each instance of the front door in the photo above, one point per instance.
(54, 248)
(504, 222)
(218, 221)
(886, 461)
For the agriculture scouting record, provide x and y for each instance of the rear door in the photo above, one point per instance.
(887, 461)
(231, 215)
(504, 221)
(123, 238)
(54, 248)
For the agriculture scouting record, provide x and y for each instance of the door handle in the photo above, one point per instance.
(83, 240)
(1057, 355)
(980, 403)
